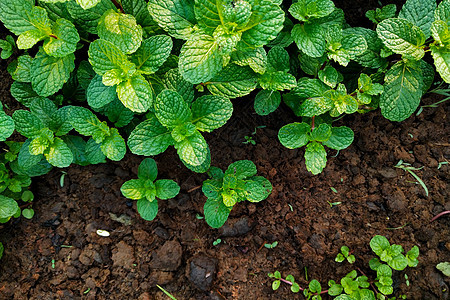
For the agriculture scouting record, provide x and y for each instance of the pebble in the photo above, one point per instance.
(167, 257)
(236, 228)
(201, 271)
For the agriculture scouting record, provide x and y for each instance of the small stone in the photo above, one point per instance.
(167, 257)
(123, 256)
(86, 257)
(236, 227)
(388, 173)
(201, 271)
(72, 272)
(162, 233)
(160, 278)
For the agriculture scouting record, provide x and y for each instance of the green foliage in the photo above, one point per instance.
(345, 255)
(225, 189)
(146, 189)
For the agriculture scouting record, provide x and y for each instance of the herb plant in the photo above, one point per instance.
(225, 189)
(345, 255)
(147, 191)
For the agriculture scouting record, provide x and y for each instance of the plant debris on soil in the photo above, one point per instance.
(59, 254)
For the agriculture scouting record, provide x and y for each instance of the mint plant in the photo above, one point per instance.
(177, 123)
(345, 255)
(238, 183)
(147, 190)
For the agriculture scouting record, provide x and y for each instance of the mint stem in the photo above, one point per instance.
(301, 289)
(118, 6)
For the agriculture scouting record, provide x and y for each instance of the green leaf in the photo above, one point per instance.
(402, 37)
(174, 16)
(86, 123)
(121, 30)
(171, 110)
(59, 122)
(94, 154)
(98, 95)
(148, 169)
(104, 56)
(147, 209)
(25, 159)
(87, 19)
(166, 189)
(277, 81)
(255, 58)
(134, 189)
(441, 56)
(135, 94)
(78, 147)
(87, 4)
(443, 12)
(309, 38)
(153, 52)
(398, 262)
(267, 102)
(63, 40)
(329, 76)
(203, 167)
(371, 58)
(58, 154)
(211, 112)
(241, 169)
(341, 138)
(444, 267)
(402, 91)
(200, 59)
(15, 15)
(207, 14)
(315, 158)
(113, 145)
(380, 14)
(216, 212)
(6, 126)
(138, 8)
(7, 46)
(264, 24)
(321, 133)
(8, 207)
(44, 109)
(173, 80)
(314, 286)
(420, 13)
(304, 10)
(27, 124)
(23, 92)
(48, 73)
(275, 284)
(22, 72)
(411, 257)
(28, 213)
(150, 138)
(233, 82)
(193, 149)
(294, 135)
(342, 102)
(379, 243)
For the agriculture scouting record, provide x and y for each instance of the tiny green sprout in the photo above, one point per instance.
(249, 140)
(217, 242)
(277, 282)
(271, 246)
(406, 280)
(198, 216)
(345, 255)
(410, 135)
(53, 263)
(290, 207)
(87, 291)
(334, 203)
(167, 293)
(442, 163)
(407, 167)
(333, 189)
(61, 179)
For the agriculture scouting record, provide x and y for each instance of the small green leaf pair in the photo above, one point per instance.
(146, 190)
(176, 123)
(392, 254)
(345, 255)
(237, 184)
(296, 135)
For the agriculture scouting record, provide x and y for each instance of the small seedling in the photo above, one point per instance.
(295, 288)
(442, 163)
(87, 291)
(407, 167)
(334, 203)
(217, 242)
(167, 293)
(333, 189)
(345, 255)
(198, 217)
(53, 263)
(271, 246)
(249, 140)
(406, 280)
(61, 179)
(290, 207)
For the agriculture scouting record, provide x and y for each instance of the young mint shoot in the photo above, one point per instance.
(147, 190)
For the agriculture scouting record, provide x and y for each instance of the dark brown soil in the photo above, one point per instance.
(59, 255)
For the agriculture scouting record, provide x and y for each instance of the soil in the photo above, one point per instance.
(59, 255)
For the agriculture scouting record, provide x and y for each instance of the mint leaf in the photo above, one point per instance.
(207, 14)
(321, 133)
(58, 154)
(216, 212)
(27, 124)
(22, 72)
(341, 138)
(135, 94)
(278, 80)
(267, 102)
(379, 243)
(25, 159)
(166, 189)
(150, 138)
(444, 267)
(87, 19)
(63, 40)
(241, 169)
(6, 126)
(211, 112)
(255, 58)
(304, 10)
(402, 37)
(329, 76)
(171, 110)
(8, 207)
(309, 38)
(441, 56)
(174, 16)
(113, 145)
(98, 95)
(23, 92)
(402, 91)
(148, 169)
(173, 80)
(203, 167)
(44, 109)
(443, 12)
(94, 154)
(294, 135)
(87, 4)
(380, 14)
(147, 209)
(138, 8)
(233, 82)
(153, 52)
(15, 15)
(134, 189)
(193, 149)
(315, 157)
(48, 73)
(200, 59)
(420, 13)
(121, 30)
